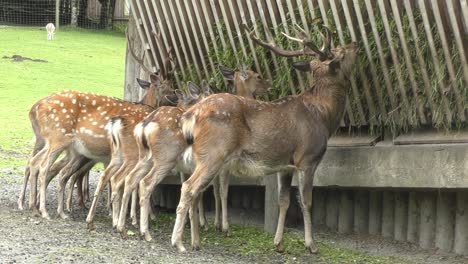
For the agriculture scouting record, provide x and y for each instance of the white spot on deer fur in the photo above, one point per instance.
(73, 101)
(103, 113)
(87, 97)
(114, 104)
(84, 117)
(89, 115)
(99, 107)
(187, 156)
(95, 123)
(52, 116)
(82, 129)
(71, 111)
(67, 116)
(101, 126)
(103, 99)
(61, 104)
(64, 110)
(107, 104)
(83, 110)
(63, 130)
(125, 109)
(54, 110)
(57, 125)
(93, 102)
(120, 104)
(106, 118)
(91, 119)
(170, 118)
(56, 119)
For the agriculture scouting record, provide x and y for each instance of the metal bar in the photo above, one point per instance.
(238, 30)
(408, 62)
(311, 6)
(353, 79)
(364, 38)
(251, 45)
(286, 30)
(228, 27)
(140, 33)
(362, 75)
(422, 64)
(218, 25)
(458, 38)
(302, 15)
(435, 60)
(252, 18)
(448, 60)
(148, 36)
(203, 35)
(171, 33)
(382, 58)
(189, 41)
(158, 48)
(181, 39)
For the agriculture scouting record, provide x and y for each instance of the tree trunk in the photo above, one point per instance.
(74, 13)
(83, 6)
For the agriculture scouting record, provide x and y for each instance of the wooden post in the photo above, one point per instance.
(333, 204)
(388, 206)
(375, 212)
(271, 203)
(461, 224)
(57, 14)
(318, 207)
(401, 215)
(361, 212)
(345, 218)
(427, 223)
(445, 221)
(412, 234)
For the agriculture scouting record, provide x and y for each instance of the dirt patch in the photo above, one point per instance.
(19, 58)
(24, 238)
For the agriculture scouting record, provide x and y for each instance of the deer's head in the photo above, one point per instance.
(193, 94)
(325, 60)
(246, 82)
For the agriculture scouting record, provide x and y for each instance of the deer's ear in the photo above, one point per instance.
(172, 98)
(143, 84)
(227, 73)
(302, 66)
(155, 78)
(194, 90)
(334, 65)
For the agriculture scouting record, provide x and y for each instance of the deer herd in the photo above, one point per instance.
(191, 131)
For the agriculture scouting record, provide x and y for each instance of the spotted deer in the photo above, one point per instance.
(75, 121)
(124, 154)
(159, 144)
(250, 138)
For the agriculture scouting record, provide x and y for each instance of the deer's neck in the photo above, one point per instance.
(327, 99)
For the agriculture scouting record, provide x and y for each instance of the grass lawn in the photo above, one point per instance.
(76, 60)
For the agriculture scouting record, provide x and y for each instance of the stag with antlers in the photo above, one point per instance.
(250, 138)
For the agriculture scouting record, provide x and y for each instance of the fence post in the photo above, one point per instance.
(57, 14)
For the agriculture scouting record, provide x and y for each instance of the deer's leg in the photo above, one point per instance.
(200, 179)
(71, 186)
(49, 159)
(194, 224)
(201, 213)
(23, 189)
(103, 182)
(306, 178)
(33, 175)
(224, 191)
(146, 187)
(284, 189)
(133, 211)
(116, 207)
(69, 170)
(86, 186)
(216, 193)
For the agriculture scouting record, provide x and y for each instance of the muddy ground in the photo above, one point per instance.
(24, 238)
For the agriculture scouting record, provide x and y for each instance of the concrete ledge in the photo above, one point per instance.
(386, 165)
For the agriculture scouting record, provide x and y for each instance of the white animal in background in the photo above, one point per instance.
(50, 31)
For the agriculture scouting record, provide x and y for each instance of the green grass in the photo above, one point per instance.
(253, 242)
(77, 60)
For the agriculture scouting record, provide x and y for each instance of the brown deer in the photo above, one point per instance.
(75, 122)
(250, 138)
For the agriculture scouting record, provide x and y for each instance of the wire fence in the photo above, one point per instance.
(94, 14)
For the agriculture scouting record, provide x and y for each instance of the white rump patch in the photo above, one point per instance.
(187, 156)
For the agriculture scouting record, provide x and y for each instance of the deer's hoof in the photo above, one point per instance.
(314, 249)
(280, 247)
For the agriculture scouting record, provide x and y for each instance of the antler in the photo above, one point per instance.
(138, 60)
(271, 45)
(169, 61)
